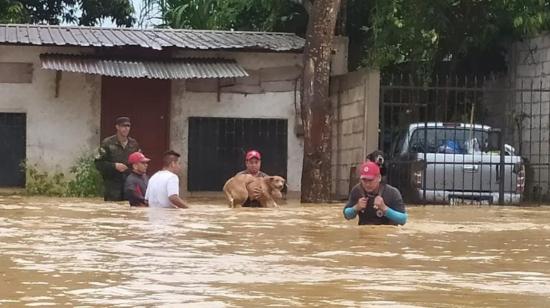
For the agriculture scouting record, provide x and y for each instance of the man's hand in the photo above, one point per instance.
(177, 202)
(257, 193)
(121, 167)
(380, 204)
(361, 204)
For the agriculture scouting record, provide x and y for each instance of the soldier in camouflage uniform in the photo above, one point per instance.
(112, 160)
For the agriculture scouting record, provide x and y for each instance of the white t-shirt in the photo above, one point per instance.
(162, 185)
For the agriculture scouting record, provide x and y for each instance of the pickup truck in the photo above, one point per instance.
(454, 163)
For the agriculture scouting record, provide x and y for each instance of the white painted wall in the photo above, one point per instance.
(59, 129)
(267, 105)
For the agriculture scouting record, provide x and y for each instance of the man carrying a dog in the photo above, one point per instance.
(374, 202)
(253, 162)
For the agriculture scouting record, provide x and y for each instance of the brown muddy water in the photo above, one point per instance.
(59, 252)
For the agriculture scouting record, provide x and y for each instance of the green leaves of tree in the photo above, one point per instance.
(426, 32)
(53, 12)
(252, 15)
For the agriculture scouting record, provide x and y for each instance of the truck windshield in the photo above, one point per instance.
(448, 140)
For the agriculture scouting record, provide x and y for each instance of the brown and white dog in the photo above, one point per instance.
(240, 187)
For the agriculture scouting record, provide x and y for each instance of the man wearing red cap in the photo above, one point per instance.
(253, 162)
(136, 183)
(375, 203)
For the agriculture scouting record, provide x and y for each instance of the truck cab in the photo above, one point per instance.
(437, 162)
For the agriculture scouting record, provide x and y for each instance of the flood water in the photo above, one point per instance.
(68, 252)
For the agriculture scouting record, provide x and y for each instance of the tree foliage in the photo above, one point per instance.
(425, 34)
(467, 33)
(11, 11)
(246, 15)
(82, 12)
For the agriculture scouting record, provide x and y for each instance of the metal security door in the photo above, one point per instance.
(13, 132)
(217, 147)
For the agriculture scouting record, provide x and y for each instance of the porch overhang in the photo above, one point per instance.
(189, 68)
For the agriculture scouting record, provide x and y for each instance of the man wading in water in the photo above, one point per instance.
(253, 162)
(375, 203)
(112, 158)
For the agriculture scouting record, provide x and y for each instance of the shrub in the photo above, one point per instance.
(85, 180)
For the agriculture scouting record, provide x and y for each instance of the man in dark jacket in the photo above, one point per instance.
(374, 202)
(136, 183)
(112, 158)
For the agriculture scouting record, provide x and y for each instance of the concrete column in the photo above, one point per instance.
(178, 128)
(372, 111)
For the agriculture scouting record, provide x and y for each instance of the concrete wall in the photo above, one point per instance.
(355, 105)
(529, 69)
(268, 93)
(59, 129)
(62, 128)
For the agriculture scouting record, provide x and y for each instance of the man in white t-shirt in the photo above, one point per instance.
(164, 186)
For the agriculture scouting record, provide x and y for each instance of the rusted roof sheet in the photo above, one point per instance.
(170, 69)
(147, 38)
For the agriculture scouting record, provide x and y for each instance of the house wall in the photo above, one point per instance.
(355, 106)
(62, 127)
(59, 129)
(270, 92)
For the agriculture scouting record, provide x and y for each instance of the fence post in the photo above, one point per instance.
(501, 169)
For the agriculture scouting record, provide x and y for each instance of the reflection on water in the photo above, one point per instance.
(80, 252)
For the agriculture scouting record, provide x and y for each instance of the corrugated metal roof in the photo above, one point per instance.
(147, 38)
(170, 69)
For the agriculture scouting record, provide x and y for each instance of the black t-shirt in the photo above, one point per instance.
(392, 198)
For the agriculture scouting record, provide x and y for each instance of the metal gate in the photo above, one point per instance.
(13, 134)
(217, 147)
(472, 140)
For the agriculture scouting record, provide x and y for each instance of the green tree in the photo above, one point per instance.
(422, 35)
(251, 15)
(461, 34)
(82, 12)
(11, 11)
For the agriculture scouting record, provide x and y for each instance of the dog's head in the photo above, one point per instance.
(276, 182)
(378, 157)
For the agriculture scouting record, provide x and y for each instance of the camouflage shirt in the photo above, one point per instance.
(111, 152)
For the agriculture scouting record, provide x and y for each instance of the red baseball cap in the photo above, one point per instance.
(369, 170)
(137, 157)
(253, 154)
